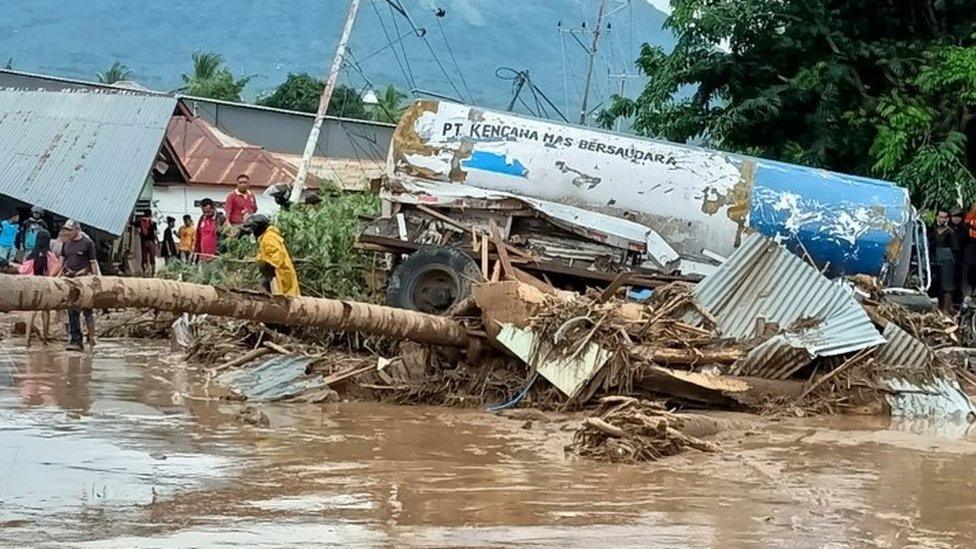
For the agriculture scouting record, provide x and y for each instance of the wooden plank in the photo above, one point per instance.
(347, 373)
(244, 359)
(611, 290)
(500, 248)
(436, 214)
(526, 278)
(277, 348)
(484, 258)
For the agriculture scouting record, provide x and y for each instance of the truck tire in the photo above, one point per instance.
(432, 280)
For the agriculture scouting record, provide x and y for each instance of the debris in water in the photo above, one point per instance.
(252, 415)
(629, 430)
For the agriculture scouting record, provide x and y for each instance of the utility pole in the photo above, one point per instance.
(330, 82)
(592, 54)
(623, 86)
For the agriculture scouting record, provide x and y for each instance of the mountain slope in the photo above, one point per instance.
(269, 39)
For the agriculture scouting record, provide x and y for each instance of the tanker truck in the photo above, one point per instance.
(578, 206)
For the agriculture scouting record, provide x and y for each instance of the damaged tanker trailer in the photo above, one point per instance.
(582, 205)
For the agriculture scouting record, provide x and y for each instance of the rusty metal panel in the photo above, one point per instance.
(763, 281)
(81, 155)
(211, 157)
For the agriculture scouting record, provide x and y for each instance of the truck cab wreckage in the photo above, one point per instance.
(582, 205)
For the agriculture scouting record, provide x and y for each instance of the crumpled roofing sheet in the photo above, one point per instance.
(763, 280)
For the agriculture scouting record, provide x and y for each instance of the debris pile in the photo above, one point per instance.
(766, 333)
(630, 430)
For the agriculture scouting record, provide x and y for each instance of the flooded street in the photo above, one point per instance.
(120, 450)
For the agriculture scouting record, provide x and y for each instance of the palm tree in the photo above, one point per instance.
(389, 105)
(117, 72)
(211, 79)
(206, 65)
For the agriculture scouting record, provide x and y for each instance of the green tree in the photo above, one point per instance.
(389, 105)
(884, 89)
(301, 92)
(211, 79)
(116, 73)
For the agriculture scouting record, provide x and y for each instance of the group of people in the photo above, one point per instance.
(31, 249)
(952, 257)
(28, 246)
(202, 241)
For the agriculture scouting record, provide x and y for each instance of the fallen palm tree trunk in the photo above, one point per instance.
(30, 293)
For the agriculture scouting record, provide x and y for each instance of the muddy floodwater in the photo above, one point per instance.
(120, 450)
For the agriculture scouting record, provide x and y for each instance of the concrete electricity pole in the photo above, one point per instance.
(592, 55)
(330, 83)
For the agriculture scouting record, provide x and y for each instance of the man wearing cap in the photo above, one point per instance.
(78, 259)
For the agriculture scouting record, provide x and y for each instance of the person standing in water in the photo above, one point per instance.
(78, 259)
(40, 262)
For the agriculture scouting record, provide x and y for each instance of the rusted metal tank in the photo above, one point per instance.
(700, 201)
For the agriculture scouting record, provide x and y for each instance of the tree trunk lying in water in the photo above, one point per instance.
(39, 293)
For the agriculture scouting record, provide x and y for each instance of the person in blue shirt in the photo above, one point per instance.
(8, 237)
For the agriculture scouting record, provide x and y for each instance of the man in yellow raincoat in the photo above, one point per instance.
(273, 258)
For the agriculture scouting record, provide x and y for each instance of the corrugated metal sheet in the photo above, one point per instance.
(774, 358)
(85, 156)
(903, 349)
(274, 379)
(762, 280)
(211, 157)
(940, 398)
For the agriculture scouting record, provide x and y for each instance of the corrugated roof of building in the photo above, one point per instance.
(763, 280)
(211, 157)
(82, 155)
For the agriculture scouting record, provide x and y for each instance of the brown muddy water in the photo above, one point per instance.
(108, 451)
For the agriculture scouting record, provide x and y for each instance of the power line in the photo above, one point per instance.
(390, 42)
(422, 33)
(369, 84)
(453, 58)
(519, 80)
(403, 49)
(384, 48)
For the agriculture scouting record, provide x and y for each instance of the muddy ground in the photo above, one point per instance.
(119, 449)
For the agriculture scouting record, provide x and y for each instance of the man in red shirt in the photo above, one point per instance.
(206, 241)
(240, 203)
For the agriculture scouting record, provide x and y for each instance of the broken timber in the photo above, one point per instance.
(35, 293)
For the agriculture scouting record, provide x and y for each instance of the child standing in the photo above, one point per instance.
(188, 237)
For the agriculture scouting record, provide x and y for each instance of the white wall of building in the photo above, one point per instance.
(178, 200)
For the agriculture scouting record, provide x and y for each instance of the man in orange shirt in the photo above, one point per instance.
(240, 203)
